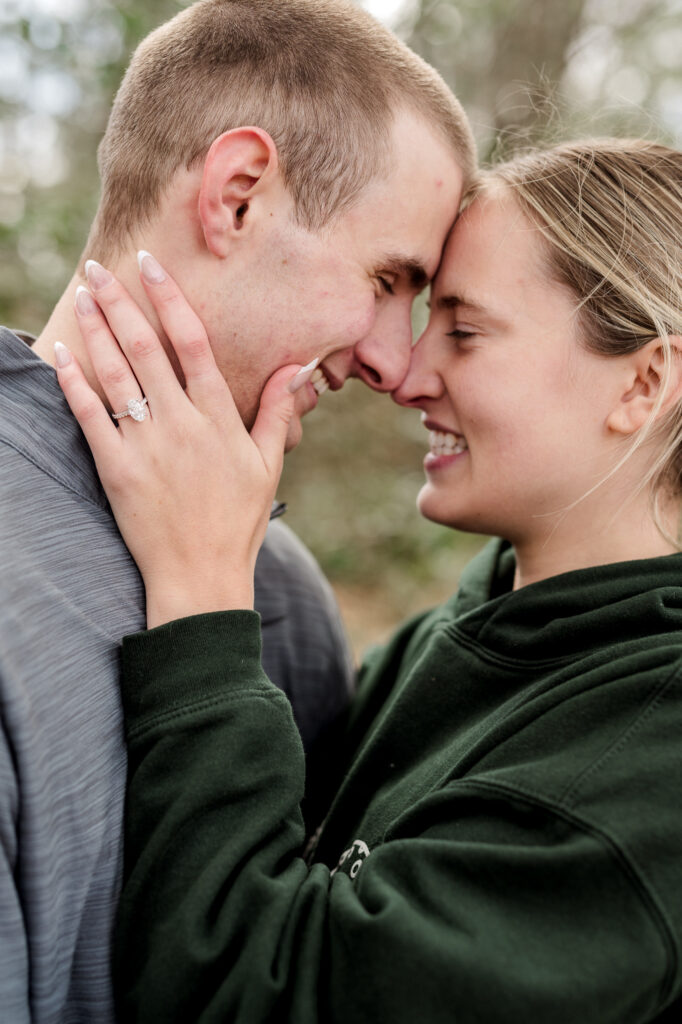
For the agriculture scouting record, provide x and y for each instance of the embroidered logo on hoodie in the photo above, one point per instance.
(353, 858)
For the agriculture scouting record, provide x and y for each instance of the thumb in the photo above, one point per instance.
(269, 432)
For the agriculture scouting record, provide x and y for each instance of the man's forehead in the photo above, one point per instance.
(403, 235)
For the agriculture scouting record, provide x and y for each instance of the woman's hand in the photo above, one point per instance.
(191, 490)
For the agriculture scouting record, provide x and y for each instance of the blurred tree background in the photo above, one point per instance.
(525, 70)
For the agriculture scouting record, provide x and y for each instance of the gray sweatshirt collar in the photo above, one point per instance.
(37, 422)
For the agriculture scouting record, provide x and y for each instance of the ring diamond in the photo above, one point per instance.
(136, 410)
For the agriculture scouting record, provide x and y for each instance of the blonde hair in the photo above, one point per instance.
(610, 212)
(322, 77)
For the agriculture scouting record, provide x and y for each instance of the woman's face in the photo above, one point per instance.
(515, 405)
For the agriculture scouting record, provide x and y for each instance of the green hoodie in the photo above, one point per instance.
(503, 830)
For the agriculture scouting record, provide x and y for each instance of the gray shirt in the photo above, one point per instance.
(68, 592)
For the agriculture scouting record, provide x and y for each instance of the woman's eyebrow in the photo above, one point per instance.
(467, 304)
(453, 301)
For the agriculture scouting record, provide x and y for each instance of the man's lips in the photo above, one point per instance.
(335, 383)
(319, 381)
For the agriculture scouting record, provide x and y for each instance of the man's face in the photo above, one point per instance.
(345, 293)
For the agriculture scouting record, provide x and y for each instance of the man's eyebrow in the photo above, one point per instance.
(404, 266)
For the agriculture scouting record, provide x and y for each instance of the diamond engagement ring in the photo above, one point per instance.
(136, 410)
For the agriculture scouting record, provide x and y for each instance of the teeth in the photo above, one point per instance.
(442, 443)
(319, 381)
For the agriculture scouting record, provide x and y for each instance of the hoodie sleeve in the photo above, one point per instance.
(480, 906)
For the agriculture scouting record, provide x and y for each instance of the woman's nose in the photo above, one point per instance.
(422, 380)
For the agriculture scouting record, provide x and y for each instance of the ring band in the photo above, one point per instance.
(136, 410)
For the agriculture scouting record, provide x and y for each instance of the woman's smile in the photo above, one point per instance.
(445, 446)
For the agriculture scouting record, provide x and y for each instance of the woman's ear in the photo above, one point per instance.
(646, 385)
(240, 165)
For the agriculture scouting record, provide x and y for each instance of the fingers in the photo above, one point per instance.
(125, 350)
(111, 367)
(187, 334)
(275, 413)
(88, 408)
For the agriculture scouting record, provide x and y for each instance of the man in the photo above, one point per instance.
(296, 169)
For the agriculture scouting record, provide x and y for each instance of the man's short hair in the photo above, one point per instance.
(322, 77)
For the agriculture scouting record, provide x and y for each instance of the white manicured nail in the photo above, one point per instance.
(85, 304)
(303, 376)
(97, 276)
(61, 354)
(151, 271)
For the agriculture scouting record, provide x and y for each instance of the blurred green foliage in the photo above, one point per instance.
(525, 70)
(60, 64)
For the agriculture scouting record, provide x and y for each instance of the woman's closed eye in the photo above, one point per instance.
(462, 331)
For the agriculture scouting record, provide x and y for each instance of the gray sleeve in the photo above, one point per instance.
(305, 649)
(13, 941)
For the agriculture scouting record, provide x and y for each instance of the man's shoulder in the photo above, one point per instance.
(284, 547)
(41, 444)
(288, 569)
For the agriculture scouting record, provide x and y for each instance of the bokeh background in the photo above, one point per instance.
(525, 70)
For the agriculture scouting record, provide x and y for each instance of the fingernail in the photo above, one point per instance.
(97, 276)
(61, 354)
(85, 303)
(303, 376)
(151, 271)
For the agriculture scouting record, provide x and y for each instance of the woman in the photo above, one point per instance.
(495, 834)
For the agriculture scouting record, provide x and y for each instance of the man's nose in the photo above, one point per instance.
(383, 357)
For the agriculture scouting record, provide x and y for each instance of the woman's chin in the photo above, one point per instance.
(439, 507)
(436, 507)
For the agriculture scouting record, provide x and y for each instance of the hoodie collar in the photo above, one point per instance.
(569, 614)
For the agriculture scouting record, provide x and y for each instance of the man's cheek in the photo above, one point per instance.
(344, 323)
(363, 319)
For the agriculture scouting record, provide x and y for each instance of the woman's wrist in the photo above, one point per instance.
(165, 604)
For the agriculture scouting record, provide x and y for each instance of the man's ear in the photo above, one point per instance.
(240, 166)
(645, 382)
